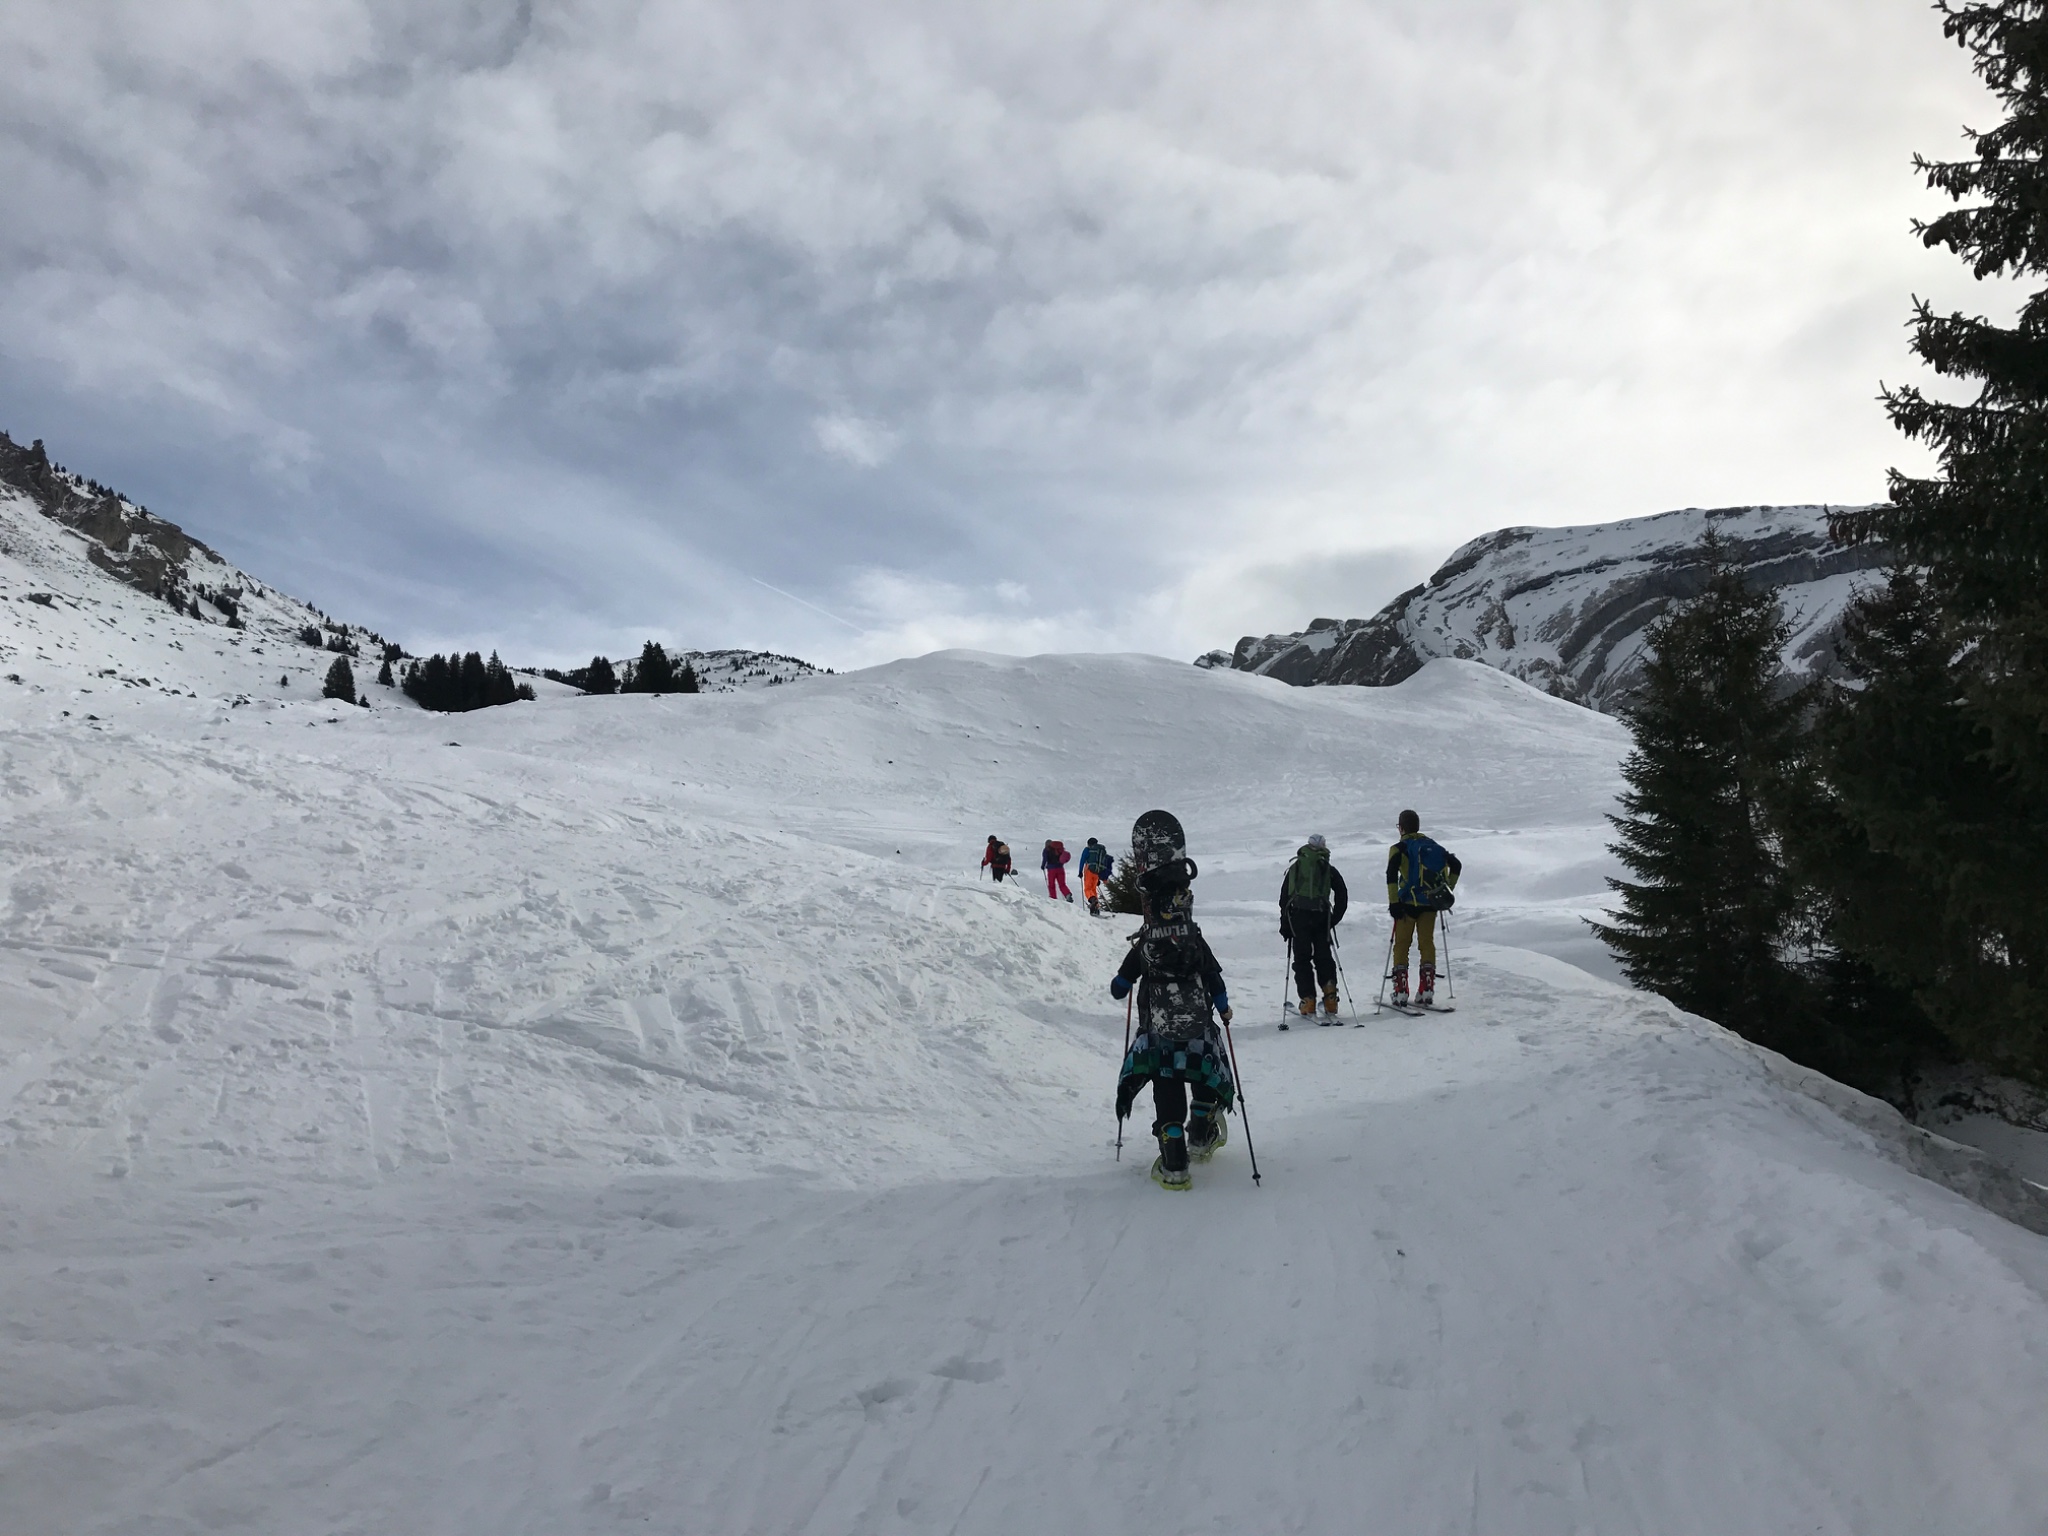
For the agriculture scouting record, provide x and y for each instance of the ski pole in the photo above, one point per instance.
(1337, 955)
(1450, 982)
(1128, 1000)
(1242, 1113)
(1287, 971)
(1386, 971)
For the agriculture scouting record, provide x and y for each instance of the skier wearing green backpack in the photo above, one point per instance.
(1312, 902)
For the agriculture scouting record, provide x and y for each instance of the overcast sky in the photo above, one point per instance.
(859, 329)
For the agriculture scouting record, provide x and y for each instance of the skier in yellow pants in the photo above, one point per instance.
(1420, 877)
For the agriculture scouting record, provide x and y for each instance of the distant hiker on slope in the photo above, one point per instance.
(1178, 1047)
(1095, 867)
(1054, 862)
(1421, 875)
(1312, 903)
(997, 859)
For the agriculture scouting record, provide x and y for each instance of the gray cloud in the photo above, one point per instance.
(1058, 326)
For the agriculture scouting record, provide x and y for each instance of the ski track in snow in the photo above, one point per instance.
(639, 1116)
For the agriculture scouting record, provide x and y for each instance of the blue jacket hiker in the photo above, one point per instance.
(1179, 1047)
(1095, 866)
(1421, 874)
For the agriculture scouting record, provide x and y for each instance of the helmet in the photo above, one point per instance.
(1315, 840)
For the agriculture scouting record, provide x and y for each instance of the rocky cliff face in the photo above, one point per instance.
(122, 539)
(70, 540)
(1565, 608)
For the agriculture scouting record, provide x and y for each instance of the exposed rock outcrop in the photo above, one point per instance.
(1565, 608)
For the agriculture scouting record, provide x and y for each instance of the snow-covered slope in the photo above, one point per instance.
(633, 1113)
(1565, 608)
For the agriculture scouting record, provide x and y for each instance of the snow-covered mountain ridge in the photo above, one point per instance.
(728, 671)
(1564, 609)
(98, 593)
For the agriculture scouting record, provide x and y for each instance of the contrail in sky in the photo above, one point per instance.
(757, 581)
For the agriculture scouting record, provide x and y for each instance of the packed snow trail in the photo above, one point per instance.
(601, 1125)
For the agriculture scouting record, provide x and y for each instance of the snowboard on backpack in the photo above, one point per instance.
(1156, 838)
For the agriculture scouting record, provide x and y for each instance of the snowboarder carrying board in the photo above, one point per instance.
(1095, 866)
(1054, 862)
(997, 859)
(1421, 875)
(1312, 902)
(1178, 1048)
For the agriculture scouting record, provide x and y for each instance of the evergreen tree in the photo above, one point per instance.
(384, 673)
(1940, 759)
(1120, 891)
(599, 677)
(456, 683)
(655, 672)
(651, 673)
(341, 682)
(1711, 914)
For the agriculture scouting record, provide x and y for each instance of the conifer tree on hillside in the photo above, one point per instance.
(1711, 913)
(341, 682)
(456, 683)
(599, 677)
(654, 672)
(1864, 903)
(1940, 761)
(384, 673)
(1120, 890)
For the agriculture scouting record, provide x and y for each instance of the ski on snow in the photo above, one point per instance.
(1417, 1010)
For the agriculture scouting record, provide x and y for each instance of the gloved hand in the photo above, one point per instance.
(1119, 986)
(1286, 932)
(1226, 1015)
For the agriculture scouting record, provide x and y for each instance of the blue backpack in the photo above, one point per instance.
(1426, 877)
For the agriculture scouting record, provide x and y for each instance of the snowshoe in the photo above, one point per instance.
(1170, 1167)
(1206, 1136)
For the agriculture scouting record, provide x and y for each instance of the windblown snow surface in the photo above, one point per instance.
(622, 1114)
